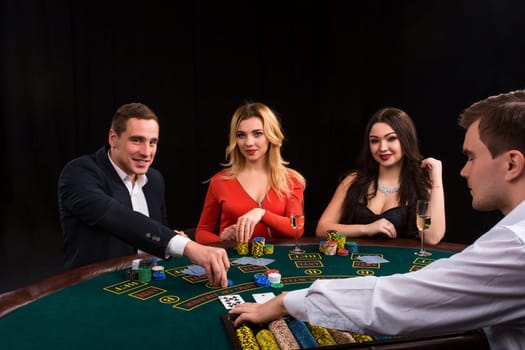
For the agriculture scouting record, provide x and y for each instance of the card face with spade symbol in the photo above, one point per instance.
(229, 301)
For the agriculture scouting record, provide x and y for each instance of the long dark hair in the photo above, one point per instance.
(414, 183)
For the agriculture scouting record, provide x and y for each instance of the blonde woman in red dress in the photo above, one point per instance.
(255, 192)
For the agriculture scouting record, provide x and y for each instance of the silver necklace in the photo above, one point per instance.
(387, 190)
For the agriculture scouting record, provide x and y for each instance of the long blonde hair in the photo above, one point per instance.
(278, 171)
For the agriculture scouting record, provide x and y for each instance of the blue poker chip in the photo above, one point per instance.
(262, 281)
(230, 283)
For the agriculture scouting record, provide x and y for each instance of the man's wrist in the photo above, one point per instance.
(176, 246)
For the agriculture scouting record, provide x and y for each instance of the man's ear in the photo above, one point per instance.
(112, 138)
(515, 165)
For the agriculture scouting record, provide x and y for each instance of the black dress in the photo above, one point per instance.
(398, 216)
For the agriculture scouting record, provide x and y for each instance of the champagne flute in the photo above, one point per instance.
(423, 221)
(297, 222)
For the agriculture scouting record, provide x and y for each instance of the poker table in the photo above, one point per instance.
(98, 307)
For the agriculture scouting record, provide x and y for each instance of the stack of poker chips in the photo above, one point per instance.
(266, 340)
(158, 273)
(242, 248)
(331, 235)
(352, 247)
(321, 335)
(341, 337)
(258, 247)
(145, 270)
(268, 248)
(330, 248)
(321, 246)
(283, 335)
(261, 280)
(133, 273)
(361, 338)
(302, 334)
(342, 252)
(343, 248)
(275, 278)
(340, 239)
(247, 338)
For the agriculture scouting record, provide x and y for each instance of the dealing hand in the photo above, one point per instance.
(271, 310)
(214, 260)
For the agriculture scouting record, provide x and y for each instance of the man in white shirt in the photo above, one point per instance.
(112, 203)
(481, 287)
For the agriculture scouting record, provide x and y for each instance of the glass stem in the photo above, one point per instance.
(422, 240)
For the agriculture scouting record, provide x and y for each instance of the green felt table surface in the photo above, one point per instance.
(182, 311)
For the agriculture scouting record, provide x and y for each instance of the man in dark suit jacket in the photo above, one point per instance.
(113, 203)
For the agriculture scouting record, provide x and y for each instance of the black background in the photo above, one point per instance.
(323, 66)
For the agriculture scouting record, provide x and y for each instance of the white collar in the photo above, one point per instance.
(141, 179)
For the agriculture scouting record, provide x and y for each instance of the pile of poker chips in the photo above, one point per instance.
(322, 247)
(258, 247)
(351, 246)
(340, 239)
(247, 338)
(283, 334)
(274, 276)
(261, 280)
(268, 249)
(302, 334)
(342, 247)
(341, 337)
(158, 273)
(330, 248)
(145, 270)
(242, 248)
(291, 333)
(321, 335)
(271, 278)
(266, 340)
(361, 338)
(331, 235)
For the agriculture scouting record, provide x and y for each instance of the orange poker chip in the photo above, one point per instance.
(342, 252)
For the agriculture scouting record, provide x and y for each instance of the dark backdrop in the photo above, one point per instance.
(323, 66)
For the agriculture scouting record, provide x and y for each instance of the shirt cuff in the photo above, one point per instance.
(176, 246)
(295, 305)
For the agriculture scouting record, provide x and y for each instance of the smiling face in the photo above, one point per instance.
(251, 141)
(134, 149)
(384, 145)
(484, 174)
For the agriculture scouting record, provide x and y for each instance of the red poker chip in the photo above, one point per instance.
(267, 272)
(342, 252)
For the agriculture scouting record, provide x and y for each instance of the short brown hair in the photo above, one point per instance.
(128, 111)
(501, 121)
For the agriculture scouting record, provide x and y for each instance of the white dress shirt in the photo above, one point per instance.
(177, 244)
(481, 287)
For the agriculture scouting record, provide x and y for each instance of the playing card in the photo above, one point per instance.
(229, 301)
(261, 298)
(194, 270)
(253, 261)
(373, 259)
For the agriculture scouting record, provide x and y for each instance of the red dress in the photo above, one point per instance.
(228, 199)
